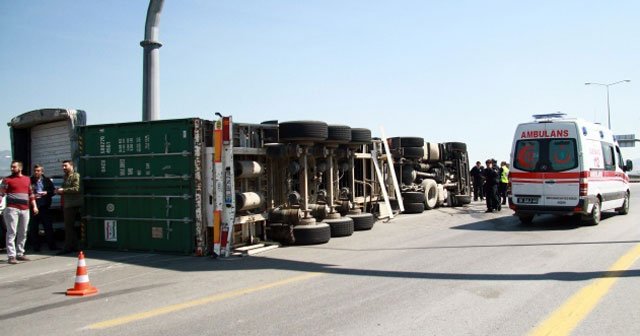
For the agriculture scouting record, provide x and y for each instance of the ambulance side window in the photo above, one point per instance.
(620, 160)
(607, 154)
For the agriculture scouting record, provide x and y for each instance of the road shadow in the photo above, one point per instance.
(268, 263)
(540, 223)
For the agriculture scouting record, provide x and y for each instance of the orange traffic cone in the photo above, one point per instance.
(82, 286)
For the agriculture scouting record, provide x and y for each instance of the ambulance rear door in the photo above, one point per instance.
(546, 165)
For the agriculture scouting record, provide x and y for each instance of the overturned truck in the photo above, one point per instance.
(431, 174)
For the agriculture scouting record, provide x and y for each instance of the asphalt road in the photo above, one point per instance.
(444, 272)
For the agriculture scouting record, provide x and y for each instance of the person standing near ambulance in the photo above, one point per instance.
(72, 199)
(17, 188)
(476, 174)
(491, 178)
(504, 181)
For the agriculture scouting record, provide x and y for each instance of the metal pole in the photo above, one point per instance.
(608, 108)
(331, 183)
(151, 63)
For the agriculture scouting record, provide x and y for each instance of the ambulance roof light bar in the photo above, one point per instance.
(549, 116)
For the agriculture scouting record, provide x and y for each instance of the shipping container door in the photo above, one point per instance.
(50, 145)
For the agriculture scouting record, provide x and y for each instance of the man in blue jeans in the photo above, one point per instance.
(17, 188)
(43, 190)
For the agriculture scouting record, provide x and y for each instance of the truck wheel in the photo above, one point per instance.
(339, 134)
(430, 194)
(319, 233)
(306, 130)
(451, 200)
(363, 221)
(360, 136)
(431, 152)
(413, 208)
(594, 217)
(280, 232)
(413, 197)
(413, 152)
(408, 174)
(270, 134)
(456, 146)
(340, 227)
(463, 199)
(625, 206)
(526, 219)
(397, 142)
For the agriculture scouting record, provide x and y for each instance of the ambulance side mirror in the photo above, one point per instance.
(628, 166)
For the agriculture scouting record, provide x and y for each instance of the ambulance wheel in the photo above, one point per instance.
(625, 206)
(526, 219)
(594, 217)
(340, 227)
(413, 208)
(311, 234)
(363, 221)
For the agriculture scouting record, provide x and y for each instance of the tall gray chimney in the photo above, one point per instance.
(151, 63)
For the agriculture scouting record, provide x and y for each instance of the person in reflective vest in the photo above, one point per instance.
(504, 181)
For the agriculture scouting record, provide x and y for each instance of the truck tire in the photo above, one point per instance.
(413, 208)
(441, 196)
(431, 152)
(413, 152)
(306, 130)
(397, 142)
(360, 136)
(463, 199)
(270, 134)
(413, 197)
(280, 232)
(341, 227)
(624, 209)
(451, 200)
(456, 146)
(408, 174)
(318, 233)
(430, 194)
(339, 134)
(363, 221)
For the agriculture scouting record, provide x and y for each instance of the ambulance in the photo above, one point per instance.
(567, 166)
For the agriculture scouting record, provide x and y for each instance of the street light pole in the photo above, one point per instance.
(608, 105)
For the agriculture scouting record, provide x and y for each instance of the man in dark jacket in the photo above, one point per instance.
(43, 189)
(476, 173)
(491, 177)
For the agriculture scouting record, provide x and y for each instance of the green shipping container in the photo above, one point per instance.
(142, 185)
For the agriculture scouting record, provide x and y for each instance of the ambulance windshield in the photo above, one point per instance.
(546, 155)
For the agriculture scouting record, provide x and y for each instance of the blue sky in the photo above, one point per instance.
(465, 71)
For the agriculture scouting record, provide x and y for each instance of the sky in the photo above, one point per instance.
(466, 71)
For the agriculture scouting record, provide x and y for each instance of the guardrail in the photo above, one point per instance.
(635, 178)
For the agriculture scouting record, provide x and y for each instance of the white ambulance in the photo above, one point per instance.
(567, 166)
